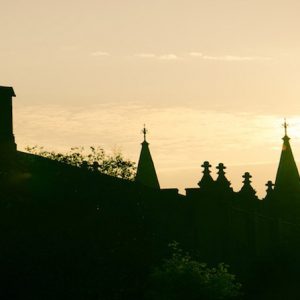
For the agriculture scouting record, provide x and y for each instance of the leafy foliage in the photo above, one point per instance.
(181, 277)
(94, 158)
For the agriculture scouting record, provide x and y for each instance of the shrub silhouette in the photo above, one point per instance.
(94, 158)
(182, 278)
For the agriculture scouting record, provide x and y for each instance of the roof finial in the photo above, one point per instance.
(285, 126)
(144, 131)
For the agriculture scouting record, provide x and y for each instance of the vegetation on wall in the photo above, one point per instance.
(94, 158)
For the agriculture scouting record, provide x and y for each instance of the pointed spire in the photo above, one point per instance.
(146, 173)
(222, 181)
(287, 177)
(206, 180)
(270, 188)
(247, 187)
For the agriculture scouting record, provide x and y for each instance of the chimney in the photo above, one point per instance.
(7, 139)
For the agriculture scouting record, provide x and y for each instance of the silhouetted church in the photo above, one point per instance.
(69, 226)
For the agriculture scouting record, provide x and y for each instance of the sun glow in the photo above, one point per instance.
(180, 138)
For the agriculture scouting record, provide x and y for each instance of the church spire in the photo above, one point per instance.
(146, 173)
(287, 177)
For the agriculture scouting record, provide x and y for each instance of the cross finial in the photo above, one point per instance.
(285, 126)
(144, 132)
(221, 169)
(269, 186)
(206, 165)
(247, 177)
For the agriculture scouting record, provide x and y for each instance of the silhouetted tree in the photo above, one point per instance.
(181, 277)
(94, 158)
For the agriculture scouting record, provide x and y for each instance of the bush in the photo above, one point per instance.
(181, 277)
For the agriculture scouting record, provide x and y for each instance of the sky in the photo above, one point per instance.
(212, 80)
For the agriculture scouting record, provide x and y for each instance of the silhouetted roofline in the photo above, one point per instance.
(7, 91)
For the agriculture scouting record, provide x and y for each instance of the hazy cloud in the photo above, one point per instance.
(170, 56)
(100, 53)
(234, 58)
(202, 56)
(180, 137)
(228, 57)
(146, 55)
(67, 125)
(198, 54)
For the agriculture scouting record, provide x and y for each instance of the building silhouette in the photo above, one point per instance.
(65, 228)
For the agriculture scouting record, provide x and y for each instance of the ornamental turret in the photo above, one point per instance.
(146, 174)
(287, 177)
(222, 182)
(206, 182)
(247, 190)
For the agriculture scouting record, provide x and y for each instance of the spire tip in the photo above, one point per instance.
(144, 132)
(285, 126)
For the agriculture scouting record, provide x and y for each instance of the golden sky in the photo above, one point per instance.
(211, 79)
